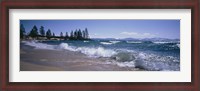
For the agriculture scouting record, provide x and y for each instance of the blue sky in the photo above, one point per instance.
(111, 28)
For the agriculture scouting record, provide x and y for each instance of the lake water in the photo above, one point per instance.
(150, 55)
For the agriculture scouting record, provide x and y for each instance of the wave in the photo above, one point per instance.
(67, 47)
(85, 41)
(133, 42)
(106, 43)
(92, 52)
(110, 42)
(161, 42)
(165, 42)
(146, 61)
(114, 42)
(38, 45)
(122, 58)
(154, 62)
(96, 52)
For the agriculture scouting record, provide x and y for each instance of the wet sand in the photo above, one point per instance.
(32, 59)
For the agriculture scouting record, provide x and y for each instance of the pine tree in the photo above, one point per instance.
(42, 31)
(66, 36)
(53, 35)
(22, 31)
(76, 34)
(71, 35)
(34, 32)
(86, 33)
(83, 34)
(79, 34)
(61, 34)
(48, 34)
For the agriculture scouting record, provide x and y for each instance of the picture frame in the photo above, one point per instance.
(88, 4)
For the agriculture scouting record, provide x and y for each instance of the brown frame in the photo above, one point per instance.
(103, 4)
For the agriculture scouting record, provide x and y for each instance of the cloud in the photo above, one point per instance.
(138, 35)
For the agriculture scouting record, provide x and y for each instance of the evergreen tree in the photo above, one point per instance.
(86, 33)
(48, 34)
(71, 35)
(34, 32)
(42, 31)
(76, 34)
(53, 35)
(79, 34)
(61, 34)
(66, 36)
(22, 31)
(83, 34)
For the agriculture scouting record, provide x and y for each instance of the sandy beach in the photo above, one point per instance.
(32, 59)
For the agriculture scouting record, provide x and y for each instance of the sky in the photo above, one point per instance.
(111, 28)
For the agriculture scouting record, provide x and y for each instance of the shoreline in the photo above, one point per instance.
(32, 59)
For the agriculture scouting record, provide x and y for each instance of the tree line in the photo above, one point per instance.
(78, 34)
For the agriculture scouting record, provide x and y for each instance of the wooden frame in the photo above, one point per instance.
(89, 4)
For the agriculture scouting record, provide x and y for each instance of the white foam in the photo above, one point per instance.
(38, 45)
(110, 42)
(106, 43)
(67, 47)
(133, 42)
(161, 42)
(85, 41)
(114, 42)
(126, 64)
(96, 52)
(92, 52)
(165, 42)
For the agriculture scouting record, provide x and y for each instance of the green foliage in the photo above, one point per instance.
(53, 35)
(42, 31)
(61, 34)
(34, 32)
(86, 33)
(66, 36)
(22, 31)
(74, 35)
(48, 34)
(79, 35)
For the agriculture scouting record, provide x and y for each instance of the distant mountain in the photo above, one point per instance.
(140, 39)
(159, 39)
(105, 38)
(133, 39)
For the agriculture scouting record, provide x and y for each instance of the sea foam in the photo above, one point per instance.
(133, 42)
(92, 52)
(109, 43)
(38, 45)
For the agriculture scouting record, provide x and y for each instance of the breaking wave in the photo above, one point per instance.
(133, 42)
(92, 52)
(38, 45)
(109, 43)
(122, 58)
(146, 61)
(106, 43)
